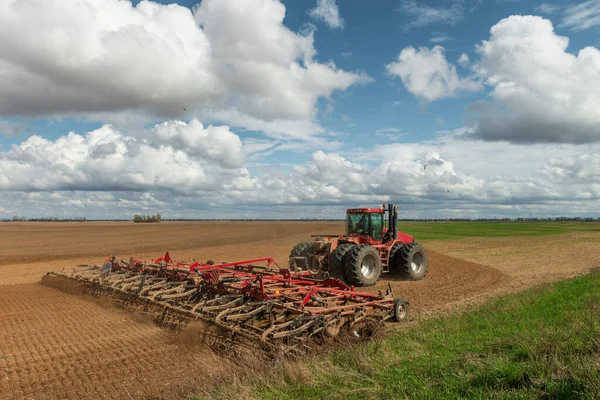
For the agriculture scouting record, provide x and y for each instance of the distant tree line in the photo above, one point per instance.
(146, 218)
(16, 218)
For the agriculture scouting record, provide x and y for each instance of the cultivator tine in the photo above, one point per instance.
(278, 310)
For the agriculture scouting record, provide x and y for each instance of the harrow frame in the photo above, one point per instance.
(276, 308)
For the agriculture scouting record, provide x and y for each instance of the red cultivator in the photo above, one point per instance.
(260, 304)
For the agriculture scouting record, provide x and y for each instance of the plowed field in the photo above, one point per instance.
(59, 345)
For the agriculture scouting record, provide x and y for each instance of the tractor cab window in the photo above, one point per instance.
(357, 223)
(370, 224)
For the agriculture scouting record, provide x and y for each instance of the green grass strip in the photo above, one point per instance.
(457, 230)
(540, 344)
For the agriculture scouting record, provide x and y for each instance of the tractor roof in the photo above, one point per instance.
(363, 210)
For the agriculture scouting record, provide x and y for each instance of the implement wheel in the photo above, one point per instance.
(363, 265)
(400, 309)
(411, 261)
(305, 252)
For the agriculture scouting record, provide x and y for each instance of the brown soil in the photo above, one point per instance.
(58, 344)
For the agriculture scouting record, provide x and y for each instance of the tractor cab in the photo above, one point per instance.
(365, 222)
(372, 222)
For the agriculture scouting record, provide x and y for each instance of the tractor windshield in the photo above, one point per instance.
(370, 224)
(357, 223)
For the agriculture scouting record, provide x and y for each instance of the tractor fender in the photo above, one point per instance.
(404, 238)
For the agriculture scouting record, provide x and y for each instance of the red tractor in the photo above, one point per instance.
(366, 250)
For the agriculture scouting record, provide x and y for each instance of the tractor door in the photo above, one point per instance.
(376, 224)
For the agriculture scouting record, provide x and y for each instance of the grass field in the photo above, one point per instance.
(543, 343)
(458, 230)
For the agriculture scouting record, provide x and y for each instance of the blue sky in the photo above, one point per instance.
(456, 108)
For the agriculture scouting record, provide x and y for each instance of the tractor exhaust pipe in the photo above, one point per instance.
(392, 221)
(394, 218)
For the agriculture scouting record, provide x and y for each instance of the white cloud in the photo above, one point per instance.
(261, 76)
(109, 173)
(485, 174)
(439, 37)
(215, 144)
(581, 169)
(421, 15)
(427, 74)
(540, 92)
(278, 129)
(101, 56)
(582, 16)
(173, 155)
(327, 11)
(546, 8)
(107, 56)
(464, 60)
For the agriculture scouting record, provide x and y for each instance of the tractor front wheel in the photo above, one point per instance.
(338, 260)
(363, 265)
(301, 257)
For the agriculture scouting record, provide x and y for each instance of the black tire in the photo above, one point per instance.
(355, 265)
(304, 249)
(411, 261)
(338, 260)
(394, 258)
(400, 309)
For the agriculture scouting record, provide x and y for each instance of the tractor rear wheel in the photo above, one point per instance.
(394, 258)
(411, 261)
(302, 250)
(363, 265)
(338, 258)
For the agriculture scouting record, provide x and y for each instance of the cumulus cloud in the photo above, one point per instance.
(215, 144)
(169, 168)
(101, 56)
(582, 16)
(540, 92)
(582, 168)
(328, 12)
(422, 15)
(173, 155)
(502, 176)
(427, 74)
(107, 56)
(445, 174)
